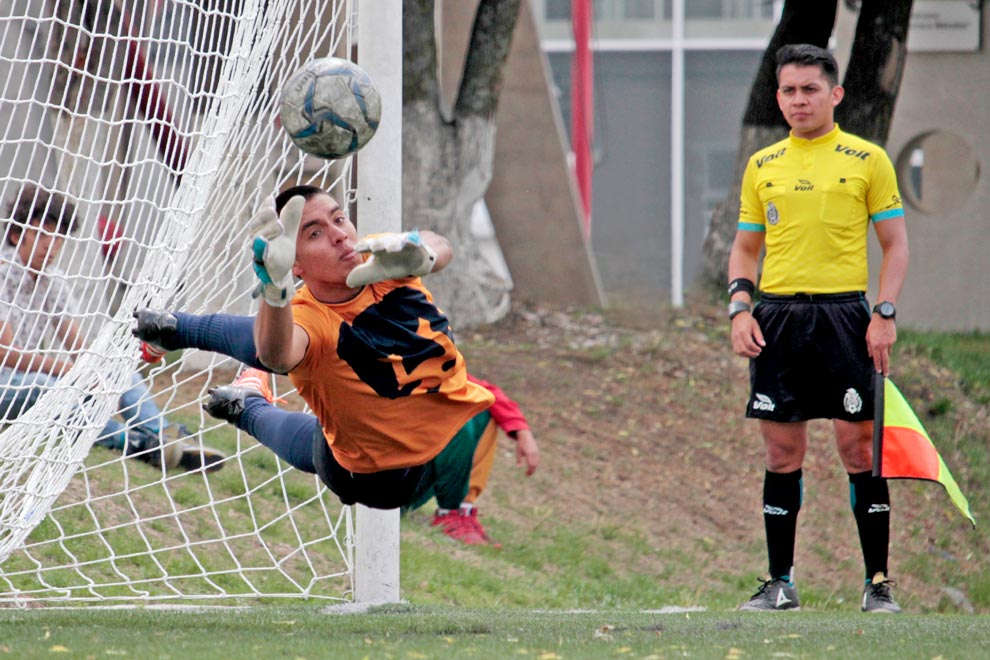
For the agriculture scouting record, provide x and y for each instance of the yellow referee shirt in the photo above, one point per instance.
(815, 200)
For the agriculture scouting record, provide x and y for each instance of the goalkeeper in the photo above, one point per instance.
(365, 347)
(249, 404)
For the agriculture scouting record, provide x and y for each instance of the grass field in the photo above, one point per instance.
(648, 497)
(419, 633)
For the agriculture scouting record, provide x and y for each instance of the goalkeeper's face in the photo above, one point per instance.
(325, 243)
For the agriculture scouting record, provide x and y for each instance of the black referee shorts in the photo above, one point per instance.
(815, 363)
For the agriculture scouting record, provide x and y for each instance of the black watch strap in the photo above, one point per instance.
(885, 309)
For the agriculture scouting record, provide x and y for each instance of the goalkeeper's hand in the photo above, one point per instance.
(393, 256)
(273, 248)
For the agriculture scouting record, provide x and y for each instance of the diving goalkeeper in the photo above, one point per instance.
(366, 348)
(249, 404)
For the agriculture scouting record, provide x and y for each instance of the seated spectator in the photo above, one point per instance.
(39, 337)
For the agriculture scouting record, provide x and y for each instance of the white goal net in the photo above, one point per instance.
(157, 120)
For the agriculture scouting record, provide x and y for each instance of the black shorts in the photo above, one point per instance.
(815, 364)
(446, 476)
(388, 489)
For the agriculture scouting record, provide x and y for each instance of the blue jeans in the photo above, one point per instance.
(20, 390)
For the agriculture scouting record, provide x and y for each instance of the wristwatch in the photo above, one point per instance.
(886, 310)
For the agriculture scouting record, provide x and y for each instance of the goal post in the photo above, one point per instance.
(158, 121)
(379, 195)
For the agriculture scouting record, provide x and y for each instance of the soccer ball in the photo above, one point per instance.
(330, 107)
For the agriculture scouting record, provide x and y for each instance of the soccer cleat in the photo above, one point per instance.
(147, 446)
(152, 328)
(227, 401)
(877, 596)
(463, 526)
(471, 518)
(200, 457)
(774, 595)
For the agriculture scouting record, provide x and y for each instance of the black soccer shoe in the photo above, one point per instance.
(773, 596)
(877, 596)
(146, 446)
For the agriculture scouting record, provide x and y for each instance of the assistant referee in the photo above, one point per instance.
(813, 341)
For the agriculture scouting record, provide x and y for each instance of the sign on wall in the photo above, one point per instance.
(944, 25)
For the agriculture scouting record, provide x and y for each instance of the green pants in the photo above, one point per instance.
(448, 475)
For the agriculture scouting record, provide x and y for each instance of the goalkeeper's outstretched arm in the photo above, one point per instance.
(440, 246)
(281, 343)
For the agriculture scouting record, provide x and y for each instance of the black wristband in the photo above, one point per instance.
(741, 284)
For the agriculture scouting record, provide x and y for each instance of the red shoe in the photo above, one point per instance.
(471, 518)
(464, 527)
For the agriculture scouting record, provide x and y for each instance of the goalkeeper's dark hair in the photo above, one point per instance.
(808, 55)
(33, 206)
(304, 191)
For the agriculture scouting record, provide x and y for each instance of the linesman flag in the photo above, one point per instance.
(902, 448)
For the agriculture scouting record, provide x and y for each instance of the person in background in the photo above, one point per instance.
(39, 336)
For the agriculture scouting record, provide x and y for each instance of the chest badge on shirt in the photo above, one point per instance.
(773, 215)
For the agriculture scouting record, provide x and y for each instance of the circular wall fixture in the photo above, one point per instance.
(938, 171)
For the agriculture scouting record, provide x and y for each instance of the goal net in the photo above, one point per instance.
(157, 120)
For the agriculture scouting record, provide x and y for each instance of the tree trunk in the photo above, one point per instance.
(763, 124)
(447, 163)
(876, 66)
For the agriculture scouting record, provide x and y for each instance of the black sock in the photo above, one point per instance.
(781, 503)
(870, 501)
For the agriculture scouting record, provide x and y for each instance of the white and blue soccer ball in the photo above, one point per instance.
(330, 107)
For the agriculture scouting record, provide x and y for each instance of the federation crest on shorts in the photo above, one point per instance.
(773, 215)
(852, 402)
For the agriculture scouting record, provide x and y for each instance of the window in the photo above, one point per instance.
(558, 10)
(639, 9)
(731, 9)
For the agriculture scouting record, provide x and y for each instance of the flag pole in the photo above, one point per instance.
(878, 407)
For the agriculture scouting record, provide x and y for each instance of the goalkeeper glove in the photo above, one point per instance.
(393, 256)
(273, 248)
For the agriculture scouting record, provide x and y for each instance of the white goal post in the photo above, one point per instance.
(157, 120)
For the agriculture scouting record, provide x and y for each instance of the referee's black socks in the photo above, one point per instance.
(782, 494)
(870, 499)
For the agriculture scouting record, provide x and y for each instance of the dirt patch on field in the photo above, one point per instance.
(640, 422)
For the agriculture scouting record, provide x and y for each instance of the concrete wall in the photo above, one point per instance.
(942, 107)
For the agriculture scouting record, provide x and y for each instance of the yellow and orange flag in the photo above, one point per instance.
(902, 448)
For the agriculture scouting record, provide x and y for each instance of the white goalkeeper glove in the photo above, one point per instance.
(273, 248)
(393, 256)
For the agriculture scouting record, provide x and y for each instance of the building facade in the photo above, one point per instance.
(647, 244)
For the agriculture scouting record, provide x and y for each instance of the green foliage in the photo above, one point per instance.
(967, 354)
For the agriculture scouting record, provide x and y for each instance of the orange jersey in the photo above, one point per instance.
(383, 375)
